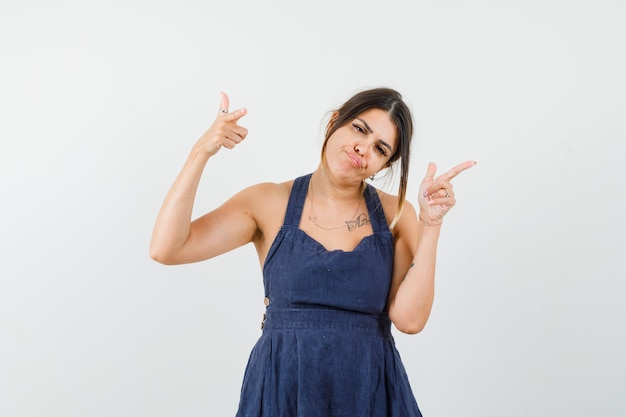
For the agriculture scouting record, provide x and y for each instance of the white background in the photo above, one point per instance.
(100, 103)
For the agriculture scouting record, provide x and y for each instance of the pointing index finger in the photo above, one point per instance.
(457, 170)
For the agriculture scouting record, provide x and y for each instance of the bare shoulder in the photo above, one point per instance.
(266, 203)
(266, 195)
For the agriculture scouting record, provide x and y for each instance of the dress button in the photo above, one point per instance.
(266, 301)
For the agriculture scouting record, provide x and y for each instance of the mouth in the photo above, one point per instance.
(355, 160)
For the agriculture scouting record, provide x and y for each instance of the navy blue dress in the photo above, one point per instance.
(326, 349)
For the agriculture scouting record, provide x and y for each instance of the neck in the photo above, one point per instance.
(338, 205)
(328, 187)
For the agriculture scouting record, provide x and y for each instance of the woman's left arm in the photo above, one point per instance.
(415, 250)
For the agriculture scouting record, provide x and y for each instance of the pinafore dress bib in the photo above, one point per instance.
(326, 349)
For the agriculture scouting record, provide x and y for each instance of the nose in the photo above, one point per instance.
(359, 148)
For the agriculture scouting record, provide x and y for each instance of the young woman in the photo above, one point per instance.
(341, 261)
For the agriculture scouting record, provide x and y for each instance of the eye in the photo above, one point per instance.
(382, 150)
(358, 128)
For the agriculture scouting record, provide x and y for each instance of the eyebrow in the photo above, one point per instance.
(369, 129)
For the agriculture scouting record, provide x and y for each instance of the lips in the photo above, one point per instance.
(356, 161)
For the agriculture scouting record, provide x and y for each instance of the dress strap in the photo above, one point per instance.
(296, 200)
(375, 209)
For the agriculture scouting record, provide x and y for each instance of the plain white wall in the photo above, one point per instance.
(100, 103)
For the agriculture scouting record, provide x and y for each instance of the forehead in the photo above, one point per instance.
(382, 126)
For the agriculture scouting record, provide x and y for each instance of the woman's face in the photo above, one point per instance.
(362, 147)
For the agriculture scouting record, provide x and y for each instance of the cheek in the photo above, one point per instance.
(388, 163)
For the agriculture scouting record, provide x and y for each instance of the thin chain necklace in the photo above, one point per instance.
(313, 218)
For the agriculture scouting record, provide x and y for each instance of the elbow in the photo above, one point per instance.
(161, 256)
(410, 328)
(408, 323)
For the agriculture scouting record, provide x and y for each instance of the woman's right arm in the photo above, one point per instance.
(175, 238)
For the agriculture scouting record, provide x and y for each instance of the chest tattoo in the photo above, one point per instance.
(362, 220)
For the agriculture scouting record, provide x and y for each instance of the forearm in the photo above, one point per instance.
(414, 298)
(173, 222)
(411, 296)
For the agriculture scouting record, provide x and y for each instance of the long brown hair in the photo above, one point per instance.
(388, 100)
